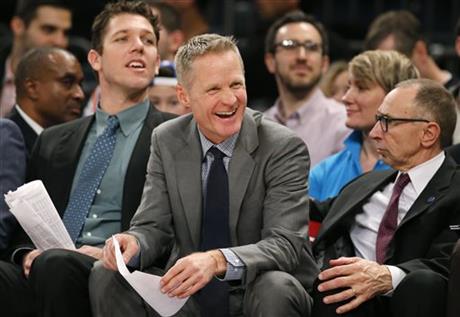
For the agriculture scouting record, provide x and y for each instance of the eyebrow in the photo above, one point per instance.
(124, 31)
(53, 26)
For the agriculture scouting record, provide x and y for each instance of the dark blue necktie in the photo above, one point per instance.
(90, 178)
(215, 234)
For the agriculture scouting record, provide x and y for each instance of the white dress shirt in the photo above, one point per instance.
(34, 125)
(364, 232)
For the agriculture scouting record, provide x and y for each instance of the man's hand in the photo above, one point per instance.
(128, 247)
(193, 272)
(28, 260)
(91, 251)
(362, 280)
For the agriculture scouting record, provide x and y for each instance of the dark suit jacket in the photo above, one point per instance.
(12, 174)
(30, 136)
(55, 159)
(454, 151)
(423, 240)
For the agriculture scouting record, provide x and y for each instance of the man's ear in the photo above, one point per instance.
(182, 96)
(457, 45)
(431, 134)
(270, 62)
(325, 64)
(17, 25)
(94, 59)
(32, 88)
(176, 39)
(419, 53)
(157, 65)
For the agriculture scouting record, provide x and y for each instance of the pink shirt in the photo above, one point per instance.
(320, 122)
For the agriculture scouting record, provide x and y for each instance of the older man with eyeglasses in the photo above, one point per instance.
(385, 240)
(296, 53)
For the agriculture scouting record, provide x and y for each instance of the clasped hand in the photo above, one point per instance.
(360, 280)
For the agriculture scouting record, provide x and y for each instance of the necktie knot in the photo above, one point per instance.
(216, 153)
(401, 182)
(112, 123)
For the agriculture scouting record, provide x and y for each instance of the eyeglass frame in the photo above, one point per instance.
(384, 120)
(292, 45)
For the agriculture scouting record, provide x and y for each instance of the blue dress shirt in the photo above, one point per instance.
(334, 172)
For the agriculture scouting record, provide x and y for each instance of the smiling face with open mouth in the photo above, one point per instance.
(129, 57)
(216, 93)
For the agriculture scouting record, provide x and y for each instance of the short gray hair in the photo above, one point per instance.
(201, 45)
(437, 102)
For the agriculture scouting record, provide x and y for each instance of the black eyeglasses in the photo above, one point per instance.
(385, 120)
(292, 45)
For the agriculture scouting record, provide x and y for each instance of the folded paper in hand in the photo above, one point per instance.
(35, 212)
(148, 287)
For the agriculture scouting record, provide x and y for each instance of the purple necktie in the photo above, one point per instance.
(389, 221)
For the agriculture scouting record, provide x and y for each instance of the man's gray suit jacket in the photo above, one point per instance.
(268, 198)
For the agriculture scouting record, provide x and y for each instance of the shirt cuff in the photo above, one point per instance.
(18, 255)
(397, 275)
(135, 261)
(235, 267)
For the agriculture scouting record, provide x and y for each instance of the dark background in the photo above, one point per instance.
(346, 20)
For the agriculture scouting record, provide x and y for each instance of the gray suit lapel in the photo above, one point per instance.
(240, 170)
(188, 175)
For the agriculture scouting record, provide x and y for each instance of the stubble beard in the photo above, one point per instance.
(300, 89)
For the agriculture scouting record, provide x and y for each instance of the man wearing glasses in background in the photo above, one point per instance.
(385, 241)
(296, 52)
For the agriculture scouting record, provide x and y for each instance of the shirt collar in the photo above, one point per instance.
(226, 146)
(354, 140)
(421, 174)
(354, 143)
(308, 107)
(129, 118)
(31, 122)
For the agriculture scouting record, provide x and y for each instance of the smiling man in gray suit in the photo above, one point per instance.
(237, 244)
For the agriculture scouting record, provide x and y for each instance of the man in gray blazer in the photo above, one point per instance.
(265, 265)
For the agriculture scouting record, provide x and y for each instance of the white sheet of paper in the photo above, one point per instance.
(35, 212)
(148, 287)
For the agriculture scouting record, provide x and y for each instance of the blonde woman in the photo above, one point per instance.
(372, 75)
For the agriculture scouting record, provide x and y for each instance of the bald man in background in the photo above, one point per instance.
(35, 23)
(48, 91)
